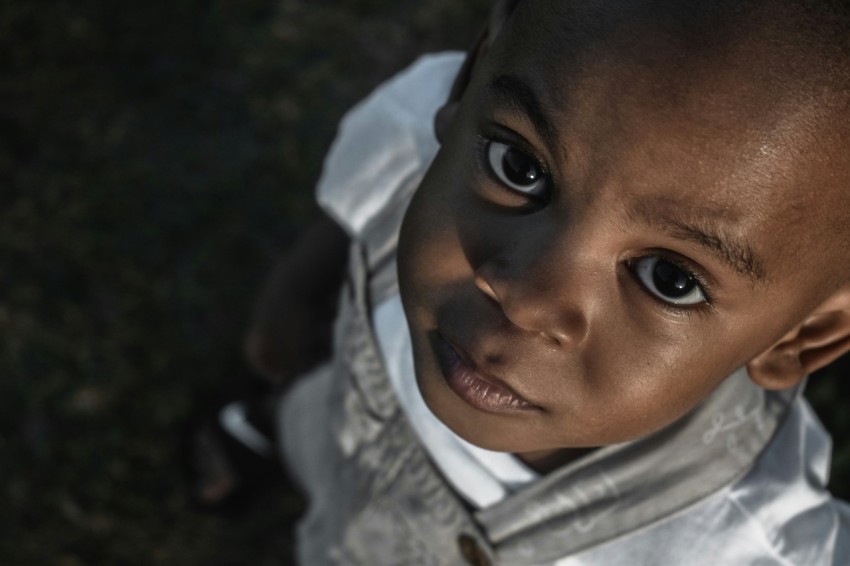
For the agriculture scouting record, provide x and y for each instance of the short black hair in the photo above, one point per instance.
(817, 31)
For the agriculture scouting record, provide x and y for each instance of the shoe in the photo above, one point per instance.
(231, 455)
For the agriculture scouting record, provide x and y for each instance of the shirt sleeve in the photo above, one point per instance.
(384, 141)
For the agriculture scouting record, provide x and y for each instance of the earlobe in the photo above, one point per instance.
(820, 339)
(445, 115)
(498, 16)
(779, 367)
(443, 119)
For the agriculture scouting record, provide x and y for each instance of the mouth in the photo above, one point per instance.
(481, 391)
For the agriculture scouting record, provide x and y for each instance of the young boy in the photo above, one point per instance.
(631, 248)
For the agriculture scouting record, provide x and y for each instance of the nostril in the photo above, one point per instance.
(557, 319)
(561, 327)
(567, 328)
(556, 340)
(482, 284)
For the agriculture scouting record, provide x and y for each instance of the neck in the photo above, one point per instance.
(545, 461)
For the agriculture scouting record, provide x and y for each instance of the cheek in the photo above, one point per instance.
(639, 385)
(440, 209)
(429, 252)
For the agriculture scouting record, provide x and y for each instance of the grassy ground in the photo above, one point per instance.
(153, 157)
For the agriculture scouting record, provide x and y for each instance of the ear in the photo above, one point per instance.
(816, 342)
(445, 115)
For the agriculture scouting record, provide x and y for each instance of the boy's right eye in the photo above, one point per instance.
(516, 169)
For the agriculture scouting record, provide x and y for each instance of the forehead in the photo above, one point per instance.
(699, 122)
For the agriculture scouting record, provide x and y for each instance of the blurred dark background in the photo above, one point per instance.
(154, 156)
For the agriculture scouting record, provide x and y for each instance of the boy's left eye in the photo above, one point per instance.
(668, 281)
(516, 169)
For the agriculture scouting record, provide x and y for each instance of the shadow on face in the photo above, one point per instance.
(629, 205)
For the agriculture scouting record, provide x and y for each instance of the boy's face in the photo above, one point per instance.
(605, 236)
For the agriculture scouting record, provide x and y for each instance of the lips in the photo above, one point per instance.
(481, 391)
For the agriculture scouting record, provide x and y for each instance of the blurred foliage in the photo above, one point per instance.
(153, 158)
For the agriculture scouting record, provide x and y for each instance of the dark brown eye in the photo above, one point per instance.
(516, 169)
(668, 281)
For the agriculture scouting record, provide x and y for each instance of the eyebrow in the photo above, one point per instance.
(705, 232)
(515, 94)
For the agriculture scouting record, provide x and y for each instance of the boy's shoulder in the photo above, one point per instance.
(783, 501)
(778, 513)
(385, 142)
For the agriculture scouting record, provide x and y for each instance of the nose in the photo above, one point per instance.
(535, 299)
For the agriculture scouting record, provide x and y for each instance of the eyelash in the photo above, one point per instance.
(482, 141)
